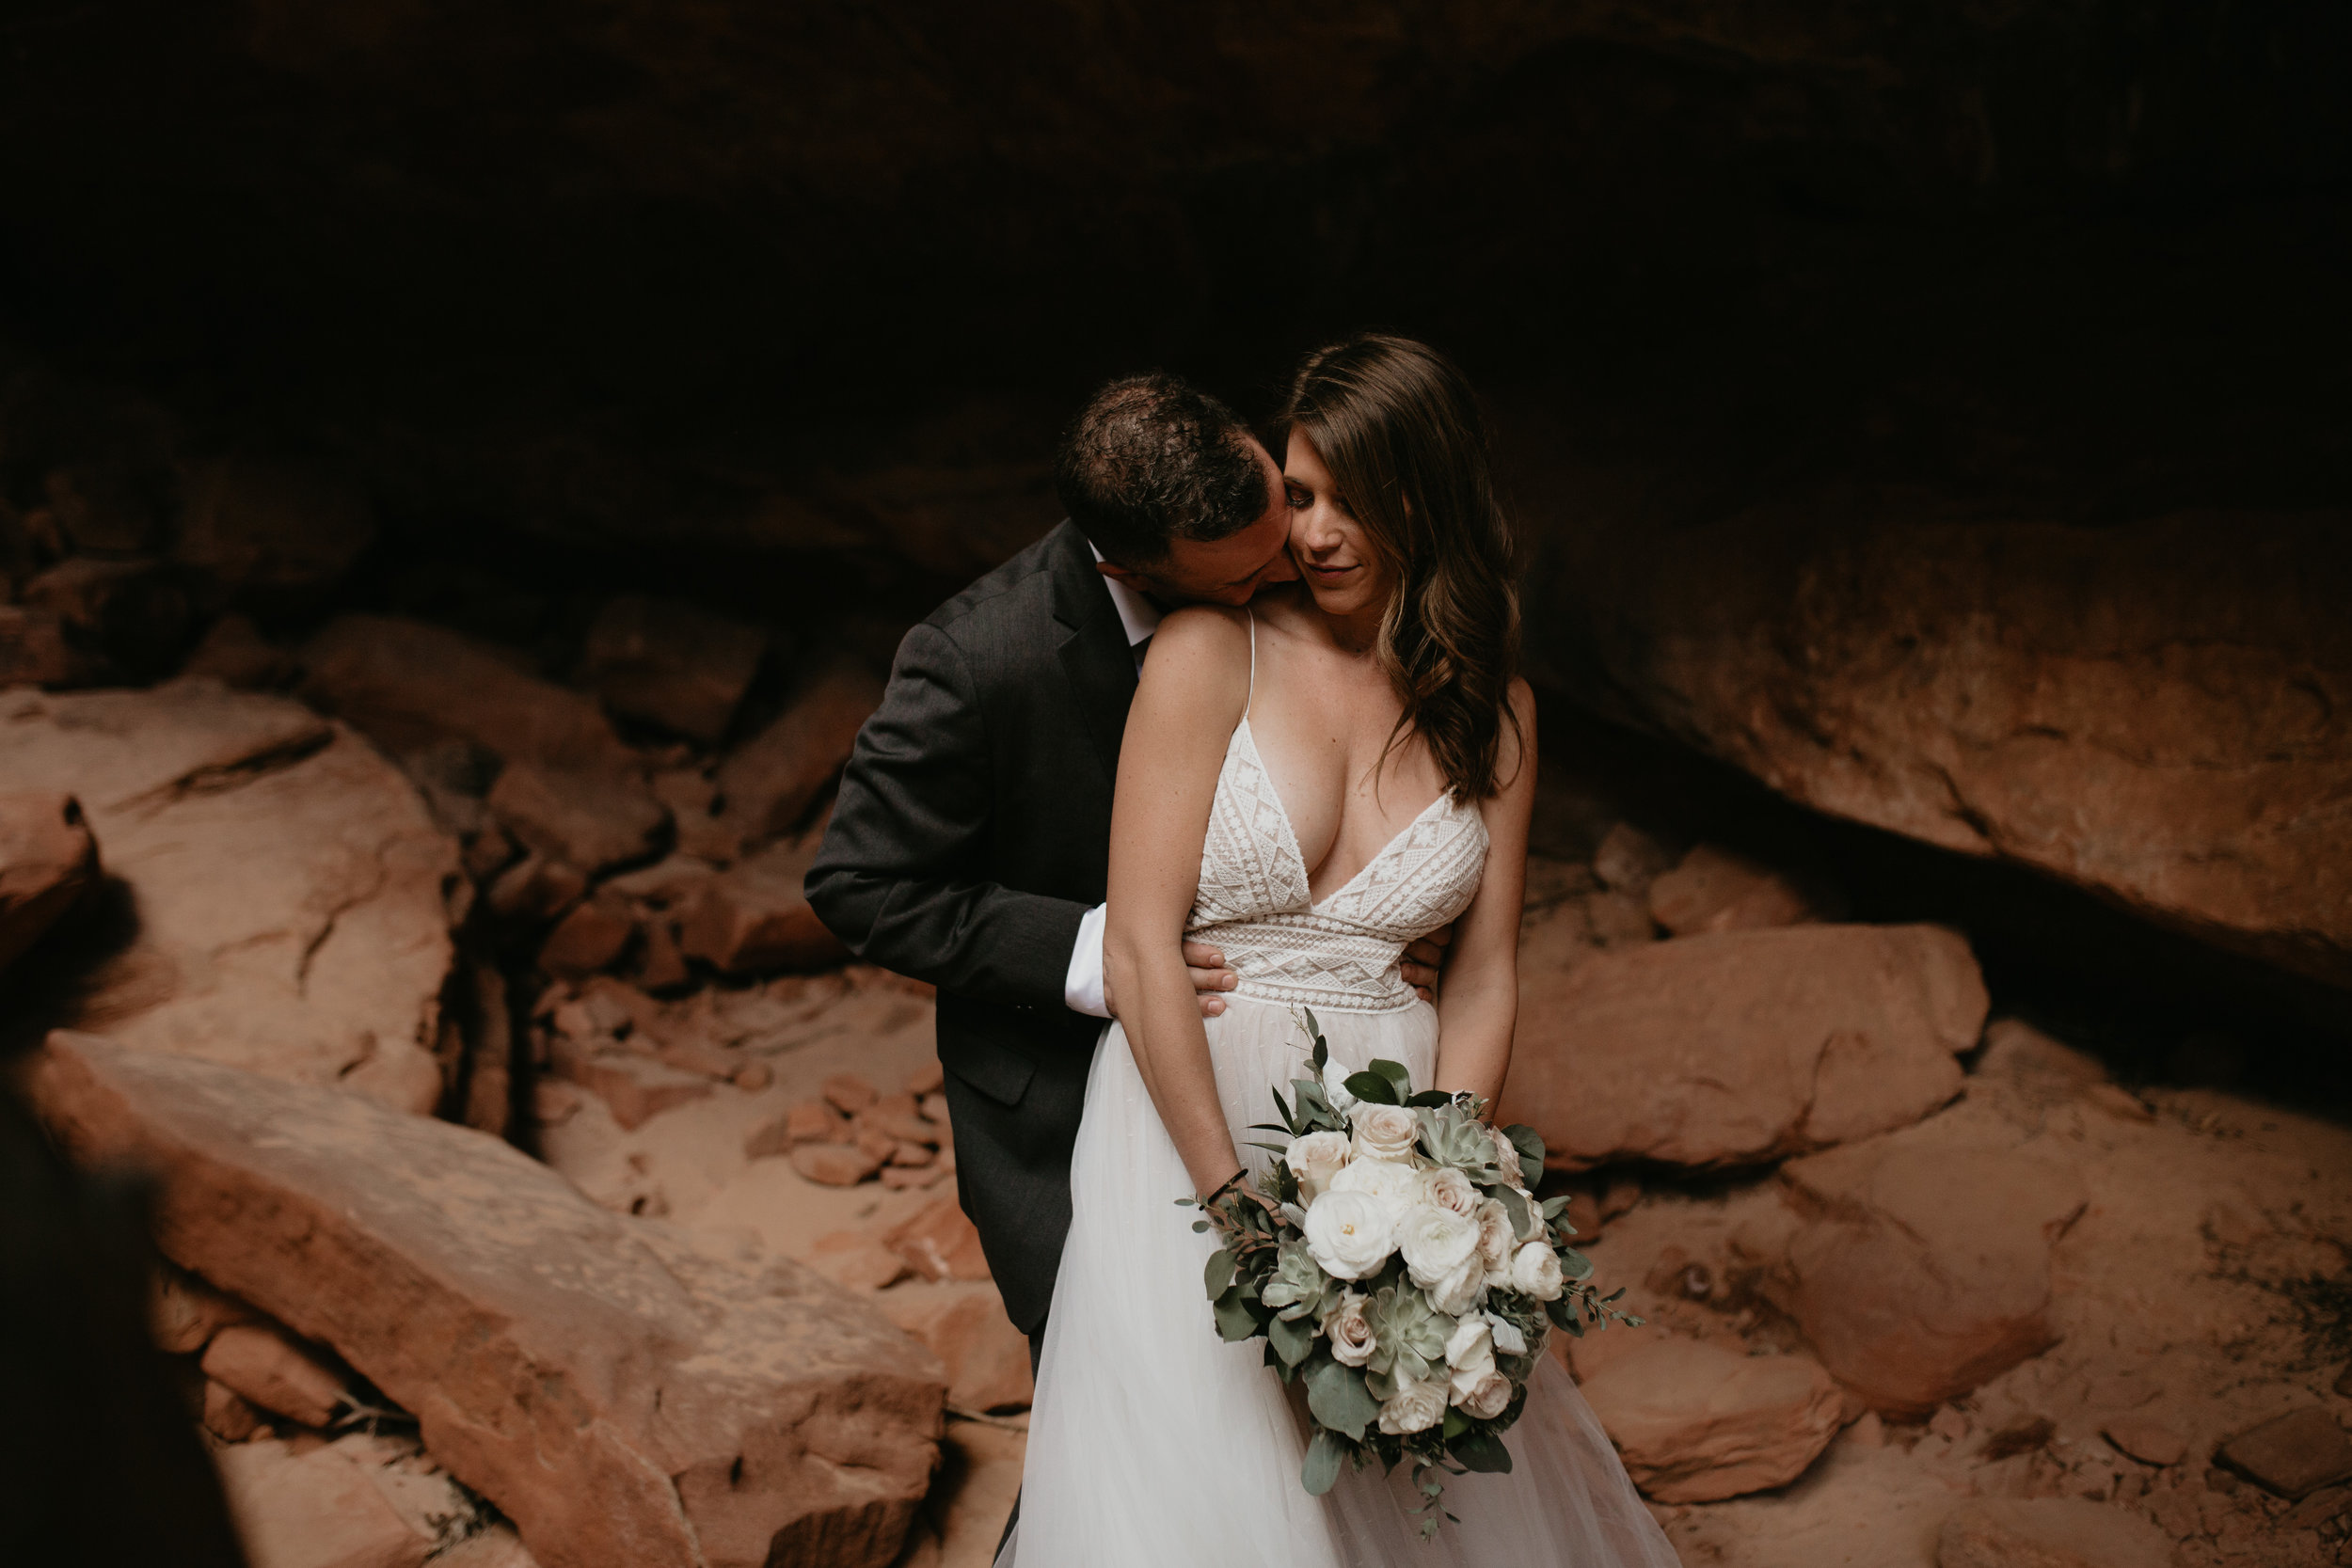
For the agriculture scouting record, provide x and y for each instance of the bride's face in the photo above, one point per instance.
(1335, 556)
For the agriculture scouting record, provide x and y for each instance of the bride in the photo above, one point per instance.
(1309, 785)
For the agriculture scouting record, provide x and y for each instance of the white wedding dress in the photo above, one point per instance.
(1154, 1444)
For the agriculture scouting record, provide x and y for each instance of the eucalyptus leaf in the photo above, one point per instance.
(1234, 1322)
(1574, 1264)
(1516, 1206)
(1320, 1470)
(1292, 1339)
(1483, 1451)
(1218, 1274)
(1337, 1396)
(1371, 1088)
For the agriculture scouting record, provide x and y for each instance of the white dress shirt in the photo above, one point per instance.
(1082, 990)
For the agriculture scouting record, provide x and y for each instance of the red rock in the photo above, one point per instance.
(772, 780)
(833, 1165)
(848, 1093)
(590, 938)
(276, 1374)
(183, 1313)
(808, 1121)
(934, 1109)
(2049, 1533)
(536, 888)
(965, 1326)
(896, 1116)
(2154, 710)
(913, 1156)
(1716, 889)
(315, 1509)
(103, 511)
(672, 664)
(660, 962)
(294, 896)
(756, 918)
(940, 1241)
(622, 1394)
(552, 1104)
(592, 819)
(48, 859)
(134, 615)
(1629, 860)
(1695, 1422)
(235, 654)
(878, 1147)
(34, 650)
(927, 1080)
(229, 1415)
(1923, 1267)
(2292, 1455)
(1740, 1046)
(272, 530)
(899, 1178)
(489, 1105)
(634, 1089)
(2148, 1438)
(753, 1077)
(856, 1260)
(404, 683)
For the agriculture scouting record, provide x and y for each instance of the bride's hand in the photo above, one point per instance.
(1206, 967)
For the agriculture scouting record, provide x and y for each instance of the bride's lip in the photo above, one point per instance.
(1328, 573)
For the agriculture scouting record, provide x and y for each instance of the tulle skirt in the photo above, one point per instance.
(1153, 1442)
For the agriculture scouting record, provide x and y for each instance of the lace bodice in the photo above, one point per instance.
(1339, 954)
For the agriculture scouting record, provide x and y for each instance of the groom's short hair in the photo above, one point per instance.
(1152, 459)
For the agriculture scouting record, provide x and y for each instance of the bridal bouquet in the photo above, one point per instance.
(1402, 1271)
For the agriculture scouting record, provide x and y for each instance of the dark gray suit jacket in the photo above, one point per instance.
(971, 835)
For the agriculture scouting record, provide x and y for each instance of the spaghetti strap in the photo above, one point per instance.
(1251, 700)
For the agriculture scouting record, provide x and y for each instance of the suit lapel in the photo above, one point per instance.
(1093, 649)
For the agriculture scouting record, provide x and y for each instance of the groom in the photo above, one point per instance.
(970, 842)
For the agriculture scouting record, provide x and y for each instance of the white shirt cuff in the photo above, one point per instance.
(1083, 990)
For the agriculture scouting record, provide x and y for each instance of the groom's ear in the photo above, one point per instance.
(1135, 581)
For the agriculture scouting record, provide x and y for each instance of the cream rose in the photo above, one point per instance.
(1414, 1407)
(1460, 1291)
(1449, 1189)
(1507, 1156)
(1315, 1160)
(1535, 1271)
(1385, 1132)
(1350, 1234)
(1487, 1397)
(1470, 1348)
(1347, 1328)
(1434, 1242)
(1497, 1240)
(1397, 1186)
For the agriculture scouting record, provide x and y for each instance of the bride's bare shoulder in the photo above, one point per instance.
(1201, 636)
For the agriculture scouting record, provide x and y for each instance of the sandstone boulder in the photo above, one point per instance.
(1923, 1265)
(677, 665)
(756, 918)
(47, 859)
(2293, 1455)
(129, 619)
(1695, 1422)
(271, 530)
(2049, 1533)
(772, 780)
(406, 684)
(621, 1394)
(277, 1374)
(1715, 889)
(2159, 711)
(592, 819)
(965, 1326)
(1741, 1046)
(290, 891)
(315, 1509)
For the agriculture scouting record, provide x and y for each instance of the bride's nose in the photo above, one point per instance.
(1315, 531)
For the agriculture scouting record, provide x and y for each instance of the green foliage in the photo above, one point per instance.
(1338, 1400)
(1320, 1470)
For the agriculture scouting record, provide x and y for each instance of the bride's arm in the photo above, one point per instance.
(1195, 687)
(1479, 1004)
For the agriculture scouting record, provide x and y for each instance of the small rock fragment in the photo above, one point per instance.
(2292, 1455)
(589, 939)
(940, 1241)
(848, 1093)
(1629, 860)
(2148, 1438)
(229, 1415)
(592, 819)
(856, 1260)
(272, 1370)
(833, 1165)
(183, 1312)
(965, 1326)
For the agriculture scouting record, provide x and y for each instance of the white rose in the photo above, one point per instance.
(1489, 1396)
(1497, 1240)
(1335, 1087)
(1414, 1407)
(1385, 1132)
(1347, 1328)
(1470, 1348)
(1315, 1160)
(1507, 1156)
(1350, 1234)
(1460, 1291)
(1535, 1271)
(1396, 1186)
(1449, 1189)
(1434, 1242)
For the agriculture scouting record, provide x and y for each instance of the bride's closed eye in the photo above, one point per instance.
(1300, 497)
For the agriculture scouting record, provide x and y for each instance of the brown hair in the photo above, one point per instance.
(1399, 429)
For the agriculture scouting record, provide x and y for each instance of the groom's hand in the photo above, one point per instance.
(1206, 966)
(1422, 960)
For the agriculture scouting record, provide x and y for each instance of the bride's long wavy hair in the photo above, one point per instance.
(1400, 431)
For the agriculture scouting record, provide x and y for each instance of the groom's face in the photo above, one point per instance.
(1223, 571)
